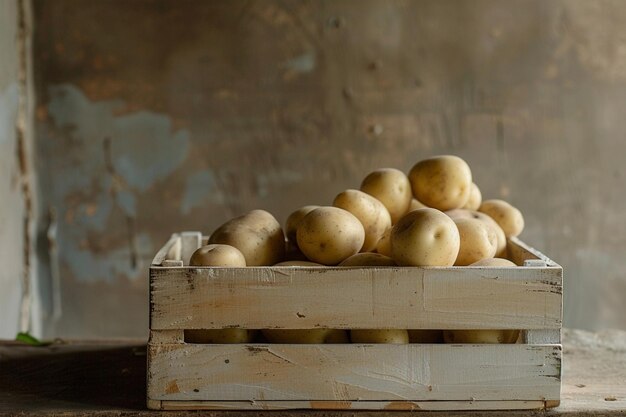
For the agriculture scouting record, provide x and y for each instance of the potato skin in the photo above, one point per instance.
(493, 262)
(328, 235)
(475, 198)
(292, 222)
(384, 244)
(480, 336)
(219, 336)
(389, 336)
(368, 259)
(478, 241)
(372, 214)
(441, 182)
(217, 255)
(508, 217)
(470, 214)
(298, 263)
(415, 205)
(257, 235)
(392, 188)
(425, 237)
(305, 336)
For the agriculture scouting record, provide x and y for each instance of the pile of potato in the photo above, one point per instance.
(435, 216)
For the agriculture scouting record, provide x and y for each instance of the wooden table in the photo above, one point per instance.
(108, 379)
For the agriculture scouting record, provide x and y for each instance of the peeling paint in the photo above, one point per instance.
(106, 184)
(198, 187)
(303, 63)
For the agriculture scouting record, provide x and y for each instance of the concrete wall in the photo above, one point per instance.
(157, 116)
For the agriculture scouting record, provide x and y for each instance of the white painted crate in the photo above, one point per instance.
(183, 375)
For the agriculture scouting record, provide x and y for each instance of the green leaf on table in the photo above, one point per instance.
(27, 338)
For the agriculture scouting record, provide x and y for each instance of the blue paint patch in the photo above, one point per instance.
(128, 203)
(303, 63)
(200, 187)
(144, 148)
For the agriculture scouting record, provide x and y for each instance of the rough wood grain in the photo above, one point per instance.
(353, 405)
(439, 298)
(353, 372)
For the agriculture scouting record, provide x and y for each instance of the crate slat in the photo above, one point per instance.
(405, 298)
(351, 405)
(192, 372)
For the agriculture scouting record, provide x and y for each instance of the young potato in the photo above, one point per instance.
(305, 336)
(415, 205)
(371, 213)
(442, 182)
(298, 263)
(425, 336)
(219, 336)
(469, 214)
(328, 235)
(508, 217)
(480, 336)
(384, 244)
(291, 225)
(257, 235)
(392, 187)
(391, 336)
(368, 259)
(425, 237)
(493, 262)
(217, 255)
(478, 241)
(475, 198)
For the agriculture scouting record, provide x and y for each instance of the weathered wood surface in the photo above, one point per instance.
(353, 372)
(352, 405)
(439, 298)
(81, 379)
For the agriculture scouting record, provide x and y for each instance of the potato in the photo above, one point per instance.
(478, 241)
(480, 336)
(392, 188)
(425, 237)
(475, 198)
(384, 244)
(493, 262)
(217, 255)
(368, 259)
(257, 235)
(469, 214)
(219, 336)
(415, 204)
(508, 217)
(298, 263)
(291, 225)
(372, 214)
(425, 336)
(328, 235)
(393, 336)
(441, 182)
(305, 336)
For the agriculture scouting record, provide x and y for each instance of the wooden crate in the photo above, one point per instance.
(183, 375)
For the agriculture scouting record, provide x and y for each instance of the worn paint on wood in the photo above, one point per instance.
(354, 372)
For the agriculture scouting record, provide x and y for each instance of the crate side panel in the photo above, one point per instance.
(354, 372)
(354, 405)
(405, 298)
